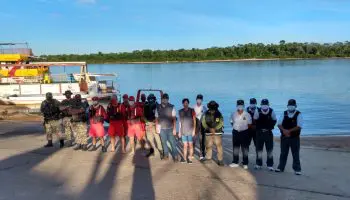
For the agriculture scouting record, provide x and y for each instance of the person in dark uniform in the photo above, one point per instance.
(290, 125)
(265, 119)
(251, 109)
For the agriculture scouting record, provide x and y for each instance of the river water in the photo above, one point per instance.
(321, 87)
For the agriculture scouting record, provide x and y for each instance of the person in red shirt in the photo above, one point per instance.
(135, 128)
(97, 116)
(116, 117)
(125, 107)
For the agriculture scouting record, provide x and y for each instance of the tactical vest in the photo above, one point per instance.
(51, 110)
(265, 121)
(149, 111)
(115, 113)
(66, 102)
(289, 123)
(212, 120)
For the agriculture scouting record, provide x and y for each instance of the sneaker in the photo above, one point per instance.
(278, 170)
(257, 167)
(77, 147)
(49, 144)
(234, 165)
(298, 173)
(183, 160)
(189, 162)
(104, 149)
(221, 163)
(201, 158)
(271, 169)
(245, 166)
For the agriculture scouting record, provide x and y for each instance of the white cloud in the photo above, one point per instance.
(87, 1)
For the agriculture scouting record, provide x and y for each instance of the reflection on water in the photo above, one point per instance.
(321, 87)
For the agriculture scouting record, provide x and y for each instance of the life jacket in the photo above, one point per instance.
(212, 120)
(135, 113)
(115, 112)
(265, 121)
(96, 115)
(51, 110)
(289, 123)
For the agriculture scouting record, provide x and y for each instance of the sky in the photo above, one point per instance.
(90, 26)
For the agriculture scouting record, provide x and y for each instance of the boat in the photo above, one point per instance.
(25, 82)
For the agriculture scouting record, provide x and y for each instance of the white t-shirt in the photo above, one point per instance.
(300, 121)
(200, 110)
(240, 122)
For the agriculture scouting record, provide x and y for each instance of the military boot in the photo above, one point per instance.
(69, 143)
(61, 143)
(49, 144)
(84, 147)
(77, 147)
(104, 149)
(94, 148)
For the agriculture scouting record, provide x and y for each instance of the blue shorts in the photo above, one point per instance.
(187, 138)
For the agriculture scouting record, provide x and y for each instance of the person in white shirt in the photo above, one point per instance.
(166, 119)
(200, 109)
(265, 119)
(240, 121)
(290, 125)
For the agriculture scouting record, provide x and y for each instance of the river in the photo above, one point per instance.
(321, 87)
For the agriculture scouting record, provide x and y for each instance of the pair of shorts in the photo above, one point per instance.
(187, 138)
(96, 130)
(136, 130)
(116, 128)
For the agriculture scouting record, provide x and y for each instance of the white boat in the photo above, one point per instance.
(28, 83)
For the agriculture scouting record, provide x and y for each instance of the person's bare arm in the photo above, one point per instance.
(194, 125)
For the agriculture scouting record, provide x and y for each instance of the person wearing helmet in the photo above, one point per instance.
(51, 112)
(116, 115)
(240, 121)
(290, 125)
(213, 124)
(251, 109)
(79, 122)
(135, 129)
(66, 104)
(97, 116)
(166, 126)
(265, 119)
(152, 138)
(200, 109)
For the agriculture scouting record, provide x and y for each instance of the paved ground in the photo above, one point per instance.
(30, 172)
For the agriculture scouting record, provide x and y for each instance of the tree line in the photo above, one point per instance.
(240, 51)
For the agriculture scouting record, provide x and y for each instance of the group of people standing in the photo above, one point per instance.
(155, 124)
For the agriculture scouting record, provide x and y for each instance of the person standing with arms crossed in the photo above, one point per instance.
(65, 105)
(200, 109)
(290, 125)
(79, 122)
(187, 129)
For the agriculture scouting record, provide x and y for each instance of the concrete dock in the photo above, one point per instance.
(30, 172)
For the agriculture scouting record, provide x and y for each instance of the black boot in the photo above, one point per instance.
(84, 147)
(104, 149)
(94, 148)
(78, 147)
(150, 153)
(69, 143)
(61, 143)
(49, 144)
(161, 155)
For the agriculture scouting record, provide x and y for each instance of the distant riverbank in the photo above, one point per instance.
(226, 60)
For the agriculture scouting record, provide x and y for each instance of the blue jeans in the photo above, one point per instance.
(167, 135)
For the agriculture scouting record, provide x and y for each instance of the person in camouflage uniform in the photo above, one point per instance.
(51, 112)
(79, 122)
(67, 117)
